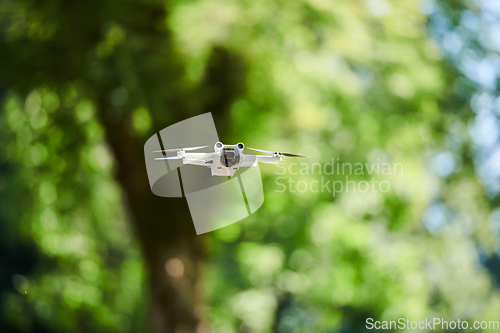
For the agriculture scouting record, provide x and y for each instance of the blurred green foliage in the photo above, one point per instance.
(60, 193)
(362, 81)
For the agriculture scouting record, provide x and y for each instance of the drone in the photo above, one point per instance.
(225, 159)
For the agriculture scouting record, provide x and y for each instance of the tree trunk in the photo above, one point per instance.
(171, 249)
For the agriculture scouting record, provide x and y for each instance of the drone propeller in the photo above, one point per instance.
(168, 158)
(176, 149)
(275, 152)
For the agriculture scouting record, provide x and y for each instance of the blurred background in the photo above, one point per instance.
(86, 247)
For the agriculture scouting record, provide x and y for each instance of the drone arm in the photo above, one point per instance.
(197, 162)
(167, 158)
(262, 158)
(248, 163)
(198, 158)
(253, 160)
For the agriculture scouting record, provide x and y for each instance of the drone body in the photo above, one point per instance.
(225, 159)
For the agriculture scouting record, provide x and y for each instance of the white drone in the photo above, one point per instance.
(226, 159)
